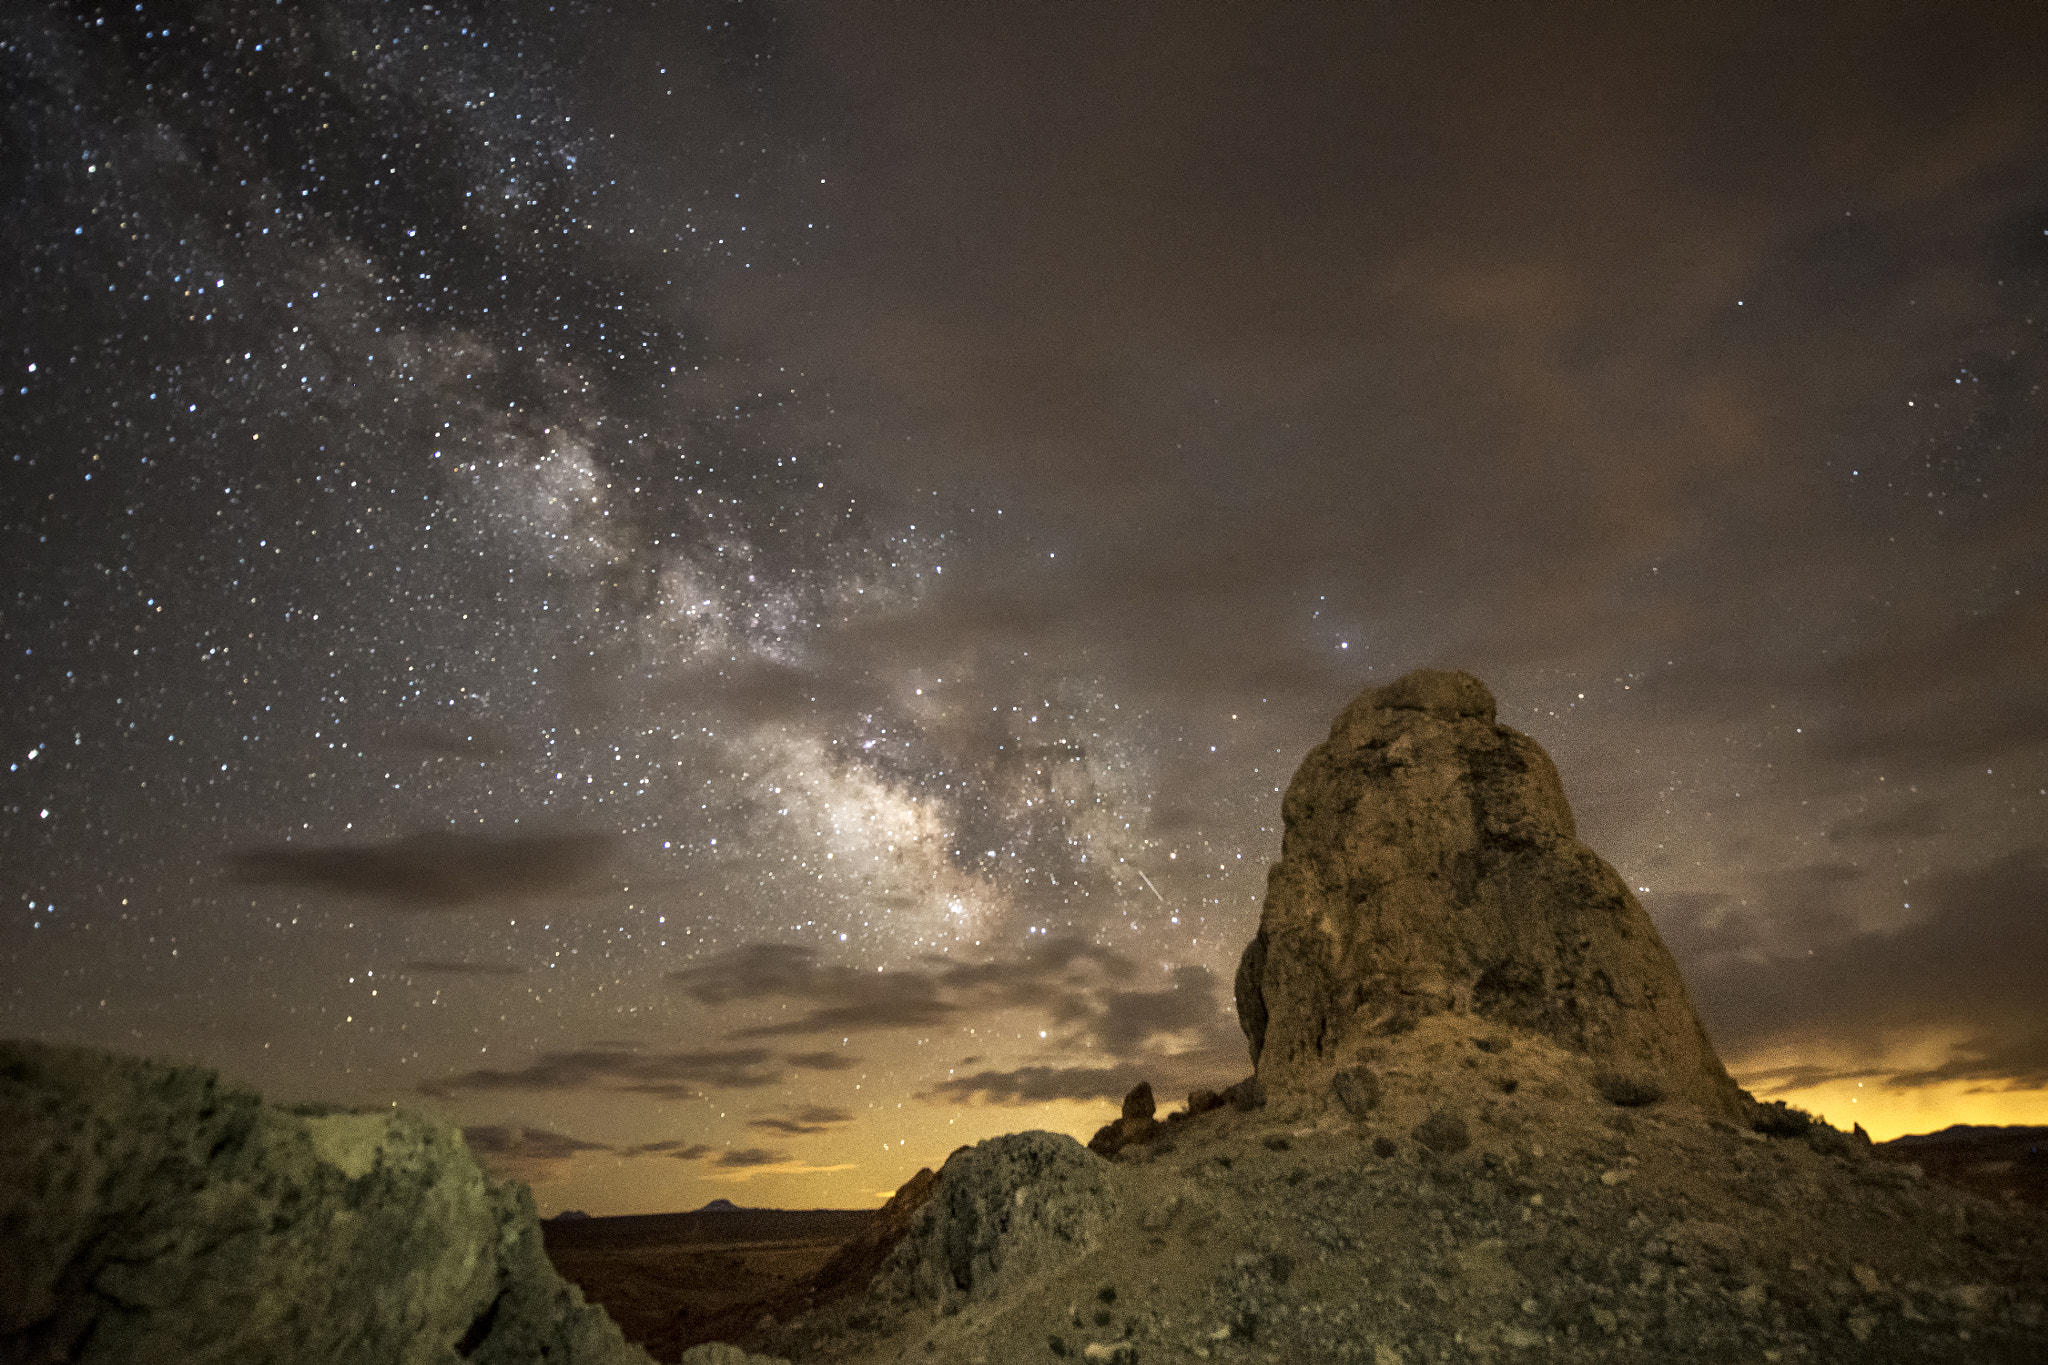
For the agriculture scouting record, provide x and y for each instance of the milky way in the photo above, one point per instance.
(392, 523)
(708, 590)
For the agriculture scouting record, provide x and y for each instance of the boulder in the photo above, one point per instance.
(1430, 863)
(1002, 1212)
(151, 1212)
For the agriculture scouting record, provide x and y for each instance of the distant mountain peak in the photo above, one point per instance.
(720, 1206)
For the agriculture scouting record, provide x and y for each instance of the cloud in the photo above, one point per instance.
(430, 967)
(667, 1075)
(749, 1157)
(1968, 970)
(822, 1061)
(1130, 1021)
(902, 1010)
(1074, 985)
(680, 1150)
(813, 1118)
(743, 1163)
(1994, 1061)
(1038, 1085)
(841, 999)
(435, 870)
(534, 1155)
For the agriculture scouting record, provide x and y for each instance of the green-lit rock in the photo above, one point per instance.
(152, 1213)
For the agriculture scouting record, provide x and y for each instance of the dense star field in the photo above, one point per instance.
(724, 594)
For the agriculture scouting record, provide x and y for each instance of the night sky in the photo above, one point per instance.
(723, 594)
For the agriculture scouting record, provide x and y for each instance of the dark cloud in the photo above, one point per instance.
(1129, 1020)
(1037, 1085)
(754, 971)
(435, 870)
(725, 1158)
(822, 1061)
(680, 1150)
(1946, 688)
(1989, 1061)
(667, 1075)
(501, 1140)
(813, 1118)
(534, 1155)
(1069, 982)
(839, 999)
(1970, 965)
(747, 1158)
(901, 1003)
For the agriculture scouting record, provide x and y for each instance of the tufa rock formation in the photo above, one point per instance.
(999, 1213)
(150, 1213)
(1430, 865)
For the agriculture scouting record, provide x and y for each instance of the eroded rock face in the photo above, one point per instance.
(150, 1212)
(1430, 863)
(1001, 1212)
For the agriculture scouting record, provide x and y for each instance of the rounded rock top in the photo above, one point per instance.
(1446, 694)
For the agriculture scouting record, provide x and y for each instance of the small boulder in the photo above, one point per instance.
(1444, 1133)
(1112, 1138)
(1358, 1089)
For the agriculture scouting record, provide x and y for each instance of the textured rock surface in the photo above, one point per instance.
(719, 1353)
(1002, 1211)
(151, 1213)
(1431, 864)
(1492, 1207)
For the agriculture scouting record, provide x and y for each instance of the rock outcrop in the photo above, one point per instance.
(1001, 1212)
(854, 1265)
(1138, 1123)
(1431, 864)
(151, 1213)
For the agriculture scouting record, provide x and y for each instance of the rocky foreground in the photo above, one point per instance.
(152, 1213)
(1480, 1198)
